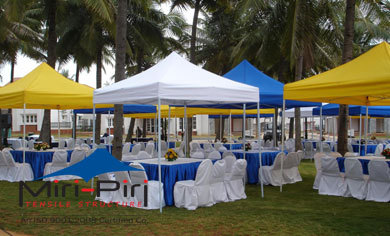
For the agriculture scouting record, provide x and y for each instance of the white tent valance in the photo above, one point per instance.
(175, 81)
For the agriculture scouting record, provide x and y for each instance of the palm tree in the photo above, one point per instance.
(120, 57)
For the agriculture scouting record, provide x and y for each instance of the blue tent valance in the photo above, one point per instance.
(127, 109)
(333, 110)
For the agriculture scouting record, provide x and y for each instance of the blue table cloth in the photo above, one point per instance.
(253, 163)
(364, 162)
(370, 148)
(170, 174)
(36, 159)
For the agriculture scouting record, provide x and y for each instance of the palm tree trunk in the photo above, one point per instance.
(130, 130)
(45, 135)
(143, 128)
(347, 56)
(75, 115)
(291, 128)
(98, 121)
(120, 56)
(192, 59)
(298, 76)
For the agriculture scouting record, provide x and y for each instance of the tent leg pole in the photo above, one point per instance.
(24, 133)
(159, 154)
(59, 127)
(169, 124)
(230, 126)
(243, 130)
(283, 134)
(175, 127)
(185, 130)
(350, 128)
(259, 144)
(93, 135)
(220, 128)
(321, 124)
(109, 131)
(366, 131)
(360, 134)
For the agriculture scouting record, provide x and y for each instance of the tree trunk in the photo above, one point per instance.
(291, 128)
(120, 56)
(75, 115)
(143, 128)
(192, 59)
(306, 136)
(218, 128)
(275, 128)
(45, 135)
(99, 66)
(298, 76)
(342, 139)
(130, 131)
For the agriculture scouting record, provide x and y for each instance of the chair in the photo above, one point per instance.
(317, 163)
(85, 147)
(379, 181)
(17, 171)
(354, 178)
(70, 144)
(106, 196)
(196, 151)
(234, 182)
(219, 147)
(214, 155)
(326, 148)
(79, 141)
(379, 150)
(208, 149)
(192, 194)
(309, 150)
(228, 153)
(3, 167)
(268, 144)
(180, 150)
(59, 162)
(30, 144)
(229, 162)
(164, 147)
(139, 177)
(119, 195)
(255, 146)
(149, 149)
(331, 182)
(351, 154)
(218, 188)
(290, 168)
(126, 148)
(142, 146)
(272, 174)
(142, 155)
(77, 156)
(89, 141)
(17, 145)
(301, 155)
(61, 144)
(133, 154)
(335, 154)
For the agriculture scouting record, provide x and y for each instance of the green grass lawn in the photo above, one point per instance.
(298, 210)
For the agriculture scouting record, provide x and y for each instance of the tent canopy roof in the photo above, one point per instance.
(127, 109)
(362, 81)
(373, 111)
(175, 81)
(271, 90)
(45, 88)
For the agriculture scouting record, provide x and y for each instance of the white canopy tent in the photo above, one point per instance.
(175, 81)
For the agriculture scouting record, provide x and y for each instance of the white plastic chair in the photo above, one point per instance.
(106, 196)
(126, 148)
(208, 148)
(133, 154)
(119, 195)
(309, 150)
(59, 162)
(76, 156)
(214, 155)
(218, 188)
(70, 144)
(196, 151)
(139, 177)
(290, 168)
(192, 194)
(61, 144)
(331, 182)
(354, 178)
(219, 147)
(379, 181)
(229, 163)
(234, 182)
(180, 150)
(17, 171)
(272, 174)
(317, 163)
(149, 149)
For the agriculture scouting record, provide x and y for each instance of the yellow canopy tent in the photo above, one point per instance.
(45, 88)
(362, 81)
(179, 112)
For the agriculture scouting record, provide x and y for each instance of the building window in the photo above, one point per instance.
(150, 125)
(31, 119)
(110, 122)
(193, 123)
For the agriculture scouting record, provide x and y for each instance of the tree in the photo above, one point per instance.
(120, 57)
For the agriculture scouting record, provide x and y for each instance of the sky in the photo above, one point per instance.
(25, 65)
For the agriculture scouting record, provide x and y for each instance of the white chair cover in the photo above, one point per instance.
(139, 177)
(142, 155)
(331, 182)
(85, 147)
(70, 143)
(192, 194)
(219, 147)
(59, 162)
(150, 149)
(180, 150)
(17, 171)
(335, 154)
(17, 144)
(317, 163)
(378, 150)
(379, 182)
(164, 147)
(215, 155)
(89, 141)
(208, 148)
(133, 154)
(354, 178)
(126, 148)
(3, 167)
(61, 144)
(197, 155)
(30, 144)
(309, 150)
(255, 146)
(290, 169)
(326, 148)
(234, 183)
(351, 154)
(230, 160)
(77, 156)
(106, 196)
(119, 195)
(79, 141)
(218, 188)
(272, 174)
(228, 153)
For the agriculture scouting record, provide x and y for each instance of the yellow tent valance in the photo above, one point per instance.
(362, 81)
(45, 88)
